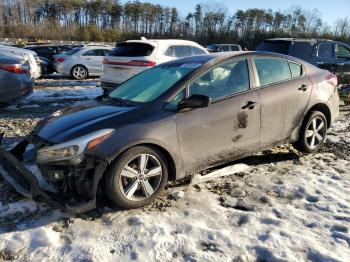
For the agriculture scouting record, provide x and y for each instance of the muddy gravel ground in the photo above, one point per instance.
(286, 206)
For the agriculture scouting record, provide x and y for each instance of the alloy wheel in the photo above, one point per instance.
(140, 177)
(315, 132)
(79, 72)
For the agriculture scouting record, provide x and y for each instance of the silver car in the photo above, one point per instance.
(82, 62)
(15, 79)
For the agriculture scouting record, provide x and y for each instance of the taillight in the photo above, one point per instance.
(106, 61)
(131, 63)
(142, 63)
(59, 60)
(17, 69)
(332, 79)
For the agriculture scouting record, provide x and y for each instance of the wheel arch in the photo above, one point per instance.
(323, 108)
(169, 158)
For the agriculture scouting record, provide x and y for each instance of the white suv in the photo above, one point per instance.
(132, 57)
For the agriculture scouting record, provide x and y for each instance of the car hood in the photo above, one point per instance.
(76, 121)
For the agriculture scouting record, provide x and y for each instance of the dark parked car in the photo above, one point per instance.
(214, 48)
(15, 79)
(326, 54)
(49, 51)
(169, 122)
(47, 67)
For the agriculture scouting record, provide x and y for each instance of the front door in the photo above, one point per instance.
(229, 127)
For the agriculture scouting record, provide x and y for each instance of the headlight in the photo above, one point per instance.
(73, 150)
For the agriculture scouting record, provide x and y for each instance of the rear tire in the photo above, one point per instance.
(312, 133)
(136, 177)
(79, 72)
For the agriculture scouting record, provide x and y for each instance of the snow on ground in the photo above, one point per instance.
(285, 206)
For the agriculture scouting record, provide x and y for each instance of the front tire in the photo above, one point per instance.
(136, 177)
(79, 72)
(312, 133)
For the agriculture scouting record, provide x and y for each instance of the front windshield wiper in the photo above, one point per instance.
(121, 101)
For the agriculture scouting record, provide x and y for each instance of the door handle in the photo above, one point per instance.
(340, 64)
(250, 105)
(87, 58)
(320, 63)
(303, 87)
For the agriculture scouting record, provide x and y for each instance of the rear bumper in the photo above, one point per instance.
(27, 184)
(16, 90)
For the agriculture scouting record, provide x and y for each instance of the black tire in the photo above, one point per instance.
(114, 181)
(304, 144)
(81, 75)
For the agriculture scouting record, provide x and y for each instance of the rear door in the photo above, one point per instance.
(284, 92)
(229, 127)
(93, 60)
(343, 62)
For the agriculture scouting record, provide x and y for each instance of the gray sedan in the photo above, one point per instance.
(172, 121)
(15, 79)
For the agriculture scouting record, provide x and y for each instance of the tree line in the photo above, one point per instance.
(112, 20)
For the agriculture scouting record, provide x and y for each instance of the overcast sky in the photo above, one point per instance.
(330, 10)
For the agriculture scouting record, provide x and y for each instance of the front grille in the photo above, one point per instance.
(14, 173)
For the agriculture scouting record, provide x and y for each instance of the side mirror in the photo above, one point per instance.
(195, 101)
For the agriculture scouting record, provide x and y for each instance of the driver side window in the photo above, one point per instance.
(223, 80)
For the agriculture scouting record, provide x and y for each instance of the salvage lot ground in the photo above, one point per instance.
(286, 207)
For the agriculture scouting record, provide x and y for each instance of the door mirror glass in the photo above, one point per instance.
(195, 101)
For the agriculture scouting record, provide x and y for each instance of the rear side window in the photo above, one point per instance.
(182, 51)
(302, 50)
(225, 48)
(281, 47)
(94, 52)
(235, 48)
(197, 51)
(325, 50)
(272, 70)
(132, 49)
(295, 69)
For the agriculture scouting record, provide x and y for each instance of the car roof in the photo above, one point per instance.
(156, 42)
(16, 49)
(218, 57)
(300, 39)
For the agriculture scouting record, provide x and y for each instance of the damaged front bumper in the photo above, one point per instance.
(26, 183)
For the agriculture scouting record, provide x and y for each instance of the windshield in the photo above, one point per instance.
(153, 82)
(132, 49)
